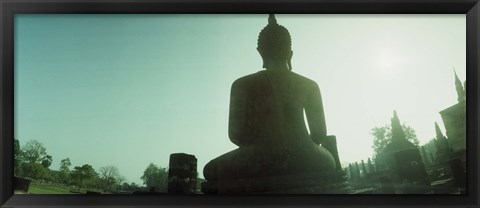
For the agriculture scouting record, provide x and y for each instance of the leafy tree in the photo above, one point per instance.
(155, 176)
(34, 160)
(65, 170)
(34, 152)
(120, 180)
(110, 177)
(84, 176)
(383, 136)
(65, 165)
(199, 184)
(34, 171)
(380, 139)
(53, 175)
(18, 159)
(132, 187)
(16, 146)
(47, 161)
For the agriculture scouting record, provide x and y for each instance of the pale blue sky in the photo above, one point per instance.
(129, 90)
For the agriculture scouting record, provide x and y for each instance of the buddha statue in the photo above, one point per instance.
(266, 120)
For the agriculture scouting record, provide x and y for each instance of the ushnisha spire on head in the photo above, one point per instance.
(274, 42)
(272, 20)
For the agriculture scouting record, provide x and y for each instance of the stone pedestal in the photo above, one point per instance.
(411, 172)
(311, 183)
(387, 185)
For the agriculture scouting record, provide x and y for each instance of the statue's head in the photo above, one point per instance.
(275, 44)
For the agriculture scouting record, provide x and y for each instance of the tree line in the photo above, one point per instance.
(33, 162)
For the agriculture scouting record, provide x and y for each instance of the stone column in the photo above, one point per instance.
(364, 168)
(21, 185)
(371, 168)
(182, 174)
(357, 170)
(458, 172)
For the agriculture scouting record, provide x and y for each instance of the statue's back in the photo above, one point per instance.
(273, 103)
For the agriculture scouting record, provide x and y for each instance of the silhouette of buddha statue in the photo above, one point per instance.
(266, 119)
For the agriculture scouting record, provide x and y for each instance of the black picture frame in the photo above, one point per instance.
(9, 8)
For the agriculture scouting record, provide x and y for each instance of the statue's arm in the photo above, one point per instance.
(239, 122)
(315, 115)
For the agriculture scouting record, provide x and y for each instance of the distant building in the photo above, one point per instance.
(454, 119)
(402, 159)
(443, 147)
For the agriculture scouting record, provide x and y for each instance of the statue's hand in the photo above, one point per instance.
(318, 140)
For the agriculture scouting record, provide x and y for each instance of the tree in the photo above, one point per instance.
(34, 152)
(53, 175)
(35, 160)
(199, 184)
(383, 136)
(65, 165)
(65, 170)
(84, 176)
(155, 176)
(34, 171)
(47, 161)
(18, 159)
(380, 139)
(132, 187)
(110, 177)
(120, 180)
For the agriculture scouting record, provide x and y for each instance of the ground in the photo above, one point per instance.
(47, 189)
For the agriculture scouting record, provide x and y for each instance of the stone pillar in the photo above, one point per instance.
(432, 158)
(424, 154)
(330, 144)
(348, 170)
(357, 170)
(371, 168)
(352, 171)
(182, 174)
(364, 169)
(458, 172)
(21, 185)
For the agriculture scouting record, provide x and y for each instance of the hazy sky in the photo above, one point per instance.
(129, 90)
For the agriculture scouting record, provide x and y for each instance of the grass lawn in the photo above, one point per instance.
(46, 189)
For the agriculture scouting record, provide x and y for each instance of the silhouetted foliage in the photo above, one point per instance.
(47, 161)
(34, 152)
(34, 171)
(17, 154)
(383, 136)
(110, 178)
(132, 187)
(32, 161)
(199, 184)
(155, 176)
(84, 176)
(64, 171)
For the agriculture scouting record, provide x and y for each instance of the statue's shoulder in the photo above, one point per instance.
(249, 79)
(304, 80)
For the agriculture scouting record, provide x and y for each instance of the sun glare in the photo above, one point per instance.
(385, 63)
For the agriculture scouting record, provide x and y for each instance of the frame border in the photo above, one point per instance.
(8, 9)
